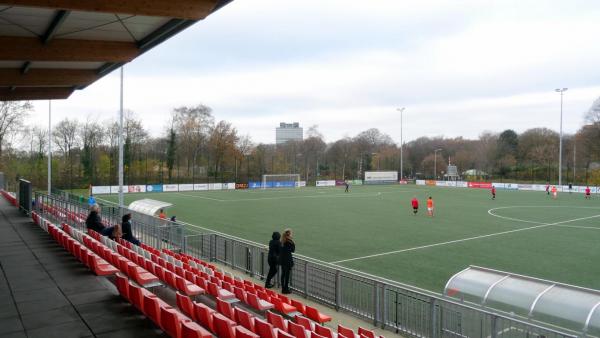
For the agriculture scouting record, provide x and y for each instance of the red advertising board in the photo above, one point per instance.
(480, 185)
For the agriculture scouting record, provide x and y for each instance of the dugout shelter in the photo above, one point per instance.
(562, 305)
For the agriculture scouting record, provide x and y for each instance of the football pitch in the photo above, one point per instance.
(373, 229)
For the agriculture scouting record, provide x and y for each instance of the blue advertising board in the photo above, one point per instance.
(154, 188)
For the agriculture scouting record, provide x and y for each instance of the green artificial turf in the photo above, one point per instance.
(333, 226)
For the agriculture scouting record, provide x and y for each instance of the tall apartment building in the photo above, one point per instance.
(288, 132)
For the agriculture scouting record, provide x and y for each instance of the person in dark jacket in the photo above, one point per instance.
(93, 220)
(273, 257)
(126, 229)
(286, 260)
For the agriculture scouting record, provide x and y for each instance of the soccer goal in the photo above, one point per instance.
(280, 181)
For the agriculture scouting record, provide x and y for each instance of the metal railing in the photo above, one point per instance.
(402, 308)
(153, 231)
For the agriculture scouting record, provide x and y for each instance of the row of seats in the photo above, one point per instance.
(171, 267)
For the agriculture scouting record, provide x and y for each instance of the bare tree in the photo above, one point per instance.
(12, 114)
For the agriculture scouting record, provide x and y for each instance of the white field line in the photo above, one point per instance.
(541, 225)
(578, 227)
(107, 201)
(199, 196)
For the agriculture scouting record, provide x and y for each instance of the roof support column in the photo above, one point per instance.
(121, 203)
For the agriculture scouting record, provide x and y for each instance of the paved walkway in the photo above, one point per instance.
(46, 292)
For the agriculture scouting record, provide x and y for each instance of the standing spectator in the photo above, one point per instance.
(286, 260)
(126, 229)
(273, 257)
(91, 200)
(93, 220)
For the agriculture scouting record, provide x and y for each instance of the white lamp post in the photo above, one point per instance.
(401, 110)
(561, 91)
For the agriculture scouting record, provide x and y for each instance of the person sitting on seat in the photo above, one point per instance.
(93, 220)
(126, 229)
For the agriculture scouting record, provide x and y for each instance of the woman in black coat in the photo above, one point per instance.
(273, 257)
(93, 220)
(126, 229)
(286, 260)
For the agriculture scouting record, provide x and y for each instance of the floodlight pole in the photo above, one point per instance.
(435, 163)
(49, 147)
(561, 91)
(121, 143)
(401, 110)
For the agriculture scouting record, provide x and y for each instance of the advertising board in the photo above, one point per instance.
(328, 183)
(378, 177)
(103, 189)
(170, 187)
(200, 186)
(186, 187)
(480, 185)
(136, 188)
(154, 188)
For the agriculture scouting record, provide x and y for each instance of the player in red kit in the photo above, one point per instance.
(493, 192)
(415, 205)
(588, 193)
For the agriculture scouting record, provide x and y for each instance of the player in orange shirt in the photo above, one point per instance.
(430, 206)
(554, 192)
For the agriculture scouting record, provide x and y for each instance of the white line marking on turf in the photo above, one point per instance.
(200, 196)
(541, 225)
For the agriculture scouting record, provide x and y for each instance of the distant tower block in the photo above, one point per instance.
(288, 132)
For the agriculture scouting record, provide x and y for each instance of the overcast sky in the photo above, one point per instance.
(459, 68)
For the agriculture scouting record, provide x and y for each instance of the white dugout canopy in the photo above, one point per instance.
(148, 206)
(566, 306)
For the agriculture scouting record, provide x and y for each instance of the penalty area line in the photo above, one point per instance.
(543, 225)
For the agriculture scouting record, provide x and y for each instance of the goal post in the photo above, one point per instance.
(280, 181)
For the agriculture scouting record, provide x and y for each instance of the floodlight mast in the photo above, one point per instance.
(435, 163)
(561, 91)
(401, 110)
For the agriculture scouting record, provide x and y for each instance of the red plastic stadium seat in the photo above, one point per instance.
(263, 329)
(258, 304)
(170, 279)
(152, 307)
(244, 319)
(100, 267)
(122, 285)
(204, 315)
(141, 276)
(215, 291)
(346, 332)
(283, 307)
(324, 331)
(305, 322)
(282, 334)
(317, 316)
(171, 320)
(187, 288)
(224, 327)
(240, 294)
(193, 330)
(315, 335)
(366, 333)
(242, 332)
(299, 306)
(277, 321)
(225, 309)
(297, 330)
(186, 305)
(136, 297)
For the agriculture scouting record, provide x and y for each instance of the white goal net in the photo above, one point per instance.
(280, 181)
